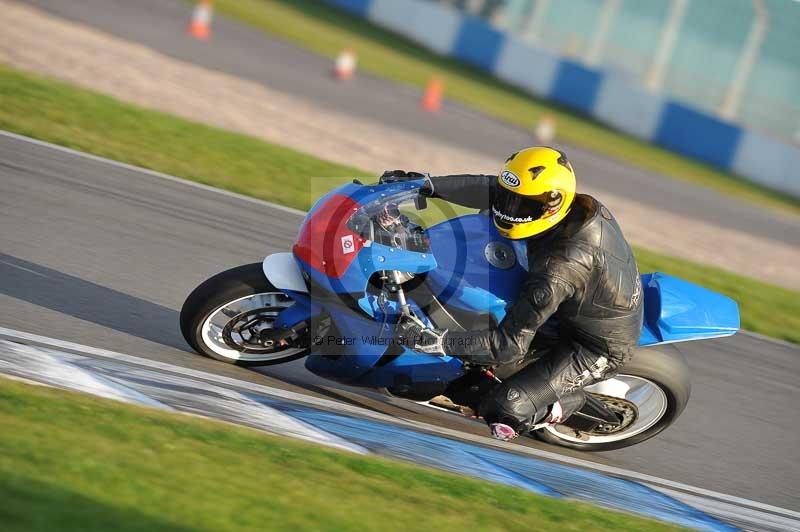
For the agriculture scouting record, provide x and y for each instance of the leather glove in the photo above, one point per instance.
(414, 334)
(397, 176)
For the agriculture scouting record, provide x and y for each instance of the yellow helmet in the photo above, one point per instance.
(535, 190)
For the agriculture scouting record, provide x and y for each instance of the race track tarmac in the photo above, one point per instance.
(103, 255)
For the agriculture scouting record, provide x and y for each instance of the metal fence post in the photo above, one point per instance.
(533, 29)
(747, 60)
(597, 45)
(654, 79)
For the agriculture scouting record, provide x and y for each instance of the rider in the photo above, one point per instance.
(582, 272)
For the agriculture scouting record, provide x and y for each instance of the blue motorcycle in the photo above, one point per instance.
(367, 254)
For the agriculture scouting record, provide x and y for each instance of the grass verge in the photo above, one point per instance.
(70, 461)
(326, 30)
(94, 123)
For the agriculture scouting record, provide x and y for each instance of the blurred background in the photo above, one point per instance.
(681, 116)
(737, 59)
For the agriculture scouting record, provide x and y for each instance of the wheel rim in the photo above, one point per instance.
(231, 329)
(649, 399)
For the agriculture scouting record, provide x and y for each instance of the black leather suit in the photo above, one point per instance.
(582, 273)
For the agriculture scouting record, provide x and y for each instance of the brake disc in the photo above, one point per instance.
(248, 326)
(626, 410)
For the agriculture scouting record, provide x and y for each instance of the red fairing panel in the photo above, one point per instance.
(325, 242)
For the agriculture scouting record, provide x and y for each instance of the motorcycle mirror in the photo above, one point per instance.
(421, 203)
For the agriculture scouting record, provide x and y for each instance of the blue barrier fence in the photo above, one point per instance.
(604, 96)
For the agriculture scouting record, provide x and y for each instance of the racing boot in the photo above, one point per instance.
(557, 413)
(567, 405)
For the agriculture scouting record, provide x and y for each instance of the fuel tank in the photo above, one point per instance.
(478, 270)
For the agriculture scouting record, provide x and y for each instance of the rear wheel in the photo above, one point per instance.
(224, 317)
(648, 395)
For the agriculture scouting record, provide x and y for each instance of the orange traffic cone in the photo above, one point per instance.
(200, 26)
(432, 97)
(345, 65)
(545, 130)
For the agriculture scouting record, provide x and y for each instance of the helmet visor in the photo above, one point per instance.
(510, 208)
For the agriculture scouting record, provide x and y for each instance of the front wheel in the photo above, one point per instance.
(223, 318)
(648, 394)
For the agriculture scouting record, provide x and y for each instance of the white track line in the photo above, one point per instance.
(655, 482)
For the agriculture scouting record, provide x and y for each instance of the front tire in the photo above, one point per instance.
(656, 380)
(222, 317)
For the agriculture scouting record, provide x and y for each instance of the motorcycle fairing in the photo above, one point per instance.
(678, 311)
(462, 276)
(366, 362)
(325, 244)
(282, 272)
(465, 278)
(335, 257)
(369, 260)
(459, 274)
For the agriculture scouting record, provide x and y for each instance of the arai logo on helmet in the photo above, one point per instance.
(509, 178)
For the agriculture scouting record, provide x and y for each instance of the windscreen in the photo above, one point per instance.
(386, 221)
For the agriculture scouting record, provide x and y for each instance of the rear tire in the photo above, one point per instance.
(224, 289)
(663, 366)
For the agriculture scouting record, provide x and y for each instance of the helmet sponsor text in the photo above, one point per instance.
(510, 219)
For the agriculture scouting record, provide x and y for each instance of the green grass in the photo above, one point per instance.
(326, 30)
(73, 462)
(97, 124)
